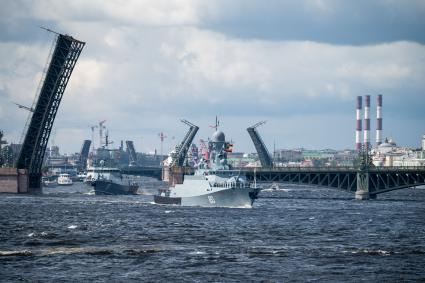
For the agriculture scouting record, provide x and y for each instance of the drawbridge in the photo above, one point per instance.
(263, 153)
(62, 62)
(179, 156)
(131, 152)
(84, 154)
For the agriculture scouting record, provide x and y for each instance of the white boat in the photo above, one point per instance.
(81, 177)
(64, 180)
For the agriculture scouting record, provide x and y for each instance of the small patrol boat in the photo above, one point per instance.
(110, 181)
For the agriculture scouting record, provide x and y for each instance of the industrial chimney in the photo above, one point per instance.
(366, 133)
(359, 123)
(423, 143)
(379, 120)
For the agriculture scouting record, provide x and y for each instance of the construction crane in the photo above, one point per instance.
(30, 109)
(162, 137)
(52, 139)
(107, 141)
(101, 127)
(92, 135)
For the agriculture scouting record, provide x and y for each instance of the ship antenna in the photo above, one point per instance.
(217, 123)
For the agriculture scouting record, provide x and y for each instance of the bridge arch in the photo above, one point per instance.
(375, 181)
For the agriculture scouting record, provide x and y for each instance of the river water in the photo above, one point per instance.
(292, 234)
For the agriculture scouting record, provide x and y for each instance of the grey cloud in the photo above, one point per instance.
(338, 22)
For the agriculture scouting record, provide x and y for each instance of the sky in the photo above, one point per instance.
(299, 65)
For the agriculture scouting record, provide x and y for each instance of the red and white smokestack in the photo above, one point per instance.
(366, 133)
(359, 123)
(379, 120)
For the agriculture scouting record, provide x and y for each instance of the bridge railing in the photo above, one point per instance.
(331, 169)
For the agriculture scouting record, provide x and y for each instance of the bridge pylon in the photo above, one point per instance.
(362, 191)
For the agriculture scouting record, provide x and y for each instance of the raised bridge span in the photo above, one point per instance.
(63, 58)
(365, 184)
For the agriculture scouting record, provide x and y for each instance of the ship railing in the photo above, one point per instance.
(232, 185)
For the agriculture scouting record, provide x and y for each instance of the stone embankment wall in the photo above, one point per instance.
(13, 180)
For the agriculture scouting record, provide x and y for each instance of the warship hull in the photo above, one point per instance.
(102, 187)
(231, 197)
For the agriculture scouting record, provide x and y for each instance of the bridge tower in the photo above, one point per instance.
(263, 153)
(62, 62)
(362, 190)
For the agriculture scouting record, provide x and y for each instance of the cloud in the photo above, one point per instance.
(148, 64)
(331, 21)
(139, 12)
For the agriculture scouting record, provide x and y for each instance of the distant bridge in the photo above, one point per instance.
(364, 184)
(154, 172)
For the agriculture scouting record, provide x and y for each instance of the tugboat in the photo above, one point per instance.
(110, 181)
(214, 183)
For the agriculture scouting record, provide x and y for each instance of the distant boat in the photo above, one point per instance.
(64, 180)
(110, 181)
(115, 186)
(47, 182)
(81, 177)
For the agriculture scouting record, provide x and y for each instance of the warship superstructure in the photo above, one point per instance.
(214, 184)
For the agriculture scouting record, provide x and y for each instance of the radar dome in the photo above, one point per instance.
(218, 137)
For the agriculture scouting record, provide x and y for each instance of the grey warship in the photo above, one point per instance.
(214, 184)
(110, 181)
(114, 186)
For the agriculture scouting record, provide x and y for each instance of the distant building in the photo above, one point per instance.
(389, 154)
(345, 157)
(53, 151)
(288, 155)
(319, 154)
(235, 155)
(10, 154)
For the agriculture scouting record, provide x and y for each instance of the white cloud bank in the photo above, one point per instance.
(146, 66)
